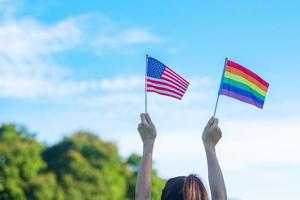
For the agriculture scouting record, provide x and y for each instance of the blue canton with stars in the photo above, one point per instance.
(155, 68)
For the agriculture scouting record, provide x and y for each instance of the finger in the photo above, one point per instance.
(148, 118)
(209, 123)
(143, 119)
(212, 121)
(140, 126)
(216, 122)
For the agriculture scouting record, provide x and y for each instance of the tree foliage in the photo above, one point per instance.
(81, 167)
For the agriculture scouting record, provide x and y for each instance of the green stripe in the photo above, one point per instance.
(243, 87)
(245, 81)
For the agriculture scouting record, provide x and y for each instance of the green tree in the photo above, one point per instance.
(88, 168)
(21, 165)
(80, 167)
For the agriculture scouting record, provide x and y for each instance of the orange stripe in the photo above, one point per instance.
(249, 78)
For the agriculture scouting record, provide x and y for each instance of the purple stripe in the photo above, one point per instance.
(241, 98)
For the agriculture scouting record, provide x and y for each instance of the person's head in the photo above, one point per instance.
(184, 188)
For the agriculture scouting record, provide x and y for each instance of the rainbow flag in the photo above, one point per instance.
(240, 83)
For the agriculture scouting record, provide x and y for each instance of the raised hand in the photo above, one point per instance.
(211, 133)
(147, 129)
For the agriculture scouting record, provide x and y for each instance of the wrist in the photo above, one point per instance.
(148, 147)
(209, 147)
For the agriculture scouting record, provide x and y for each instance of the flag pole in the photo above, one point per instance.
(146, 70)
(217, 102)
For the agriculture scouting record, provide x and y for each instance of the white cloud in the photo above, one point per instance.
(122, 83)
(28, 48)
(26, 54)
(261, 141)
(128, 37)
(8, 8)
(27, 38)
(266, 143)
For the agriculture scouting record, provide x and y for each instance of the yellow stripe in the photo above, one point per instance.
(245, 81)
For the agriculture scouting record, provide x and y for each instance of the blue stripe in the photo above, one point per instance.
(241, 92)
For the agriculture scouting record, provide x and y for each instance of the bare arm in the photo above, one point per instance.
(211, 136)
(144, 181)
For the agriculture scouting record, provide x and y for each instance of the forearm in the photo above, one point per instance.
(144, 179)
(215, 176)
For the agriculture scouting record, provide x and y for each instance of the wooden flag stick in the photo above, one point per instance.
(146, 70)
(217, 102)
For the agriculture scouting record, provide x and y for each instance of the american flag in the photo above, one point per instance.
(163, 80)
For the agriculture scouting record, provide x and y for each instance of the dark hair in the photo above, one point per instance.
(184, 188)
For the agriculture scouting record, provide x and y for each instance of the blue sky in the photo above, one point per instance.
(70, 65)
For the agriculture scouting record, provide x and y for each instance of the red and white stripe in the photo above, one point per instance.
(170, 84)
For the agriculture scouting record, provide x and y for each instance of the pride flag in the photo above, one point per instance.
(240, 83)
